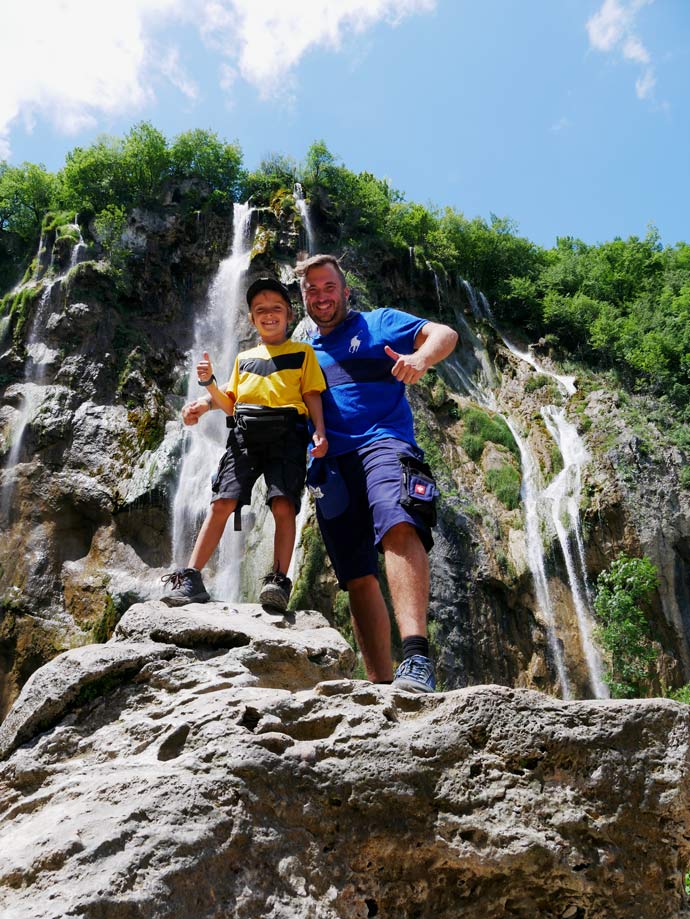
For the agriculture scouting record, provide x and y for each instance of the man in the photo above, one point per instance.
(367, 359)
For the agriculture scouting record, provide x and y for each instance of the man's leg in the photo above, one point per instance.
(371, 626)
(407, 570)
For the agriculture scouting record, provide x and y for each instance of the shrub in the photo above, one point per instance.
(624, 630)
(505, 484)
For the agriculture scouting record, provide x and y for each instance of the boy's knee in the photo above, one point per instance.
(282, 508)
(223, 507)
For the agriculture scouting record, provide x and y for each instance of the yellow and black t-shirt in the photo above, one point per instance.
(276, 375)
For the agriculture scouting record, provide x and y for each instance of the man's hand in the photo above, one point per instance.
(192, 411)
(320, 447)
(408, 368)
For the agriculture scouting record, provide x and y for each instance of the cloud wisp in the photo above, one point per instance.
(612, 29)
(90, 61)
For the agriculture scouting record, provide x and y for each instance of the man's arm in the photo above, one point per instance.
(432, 343)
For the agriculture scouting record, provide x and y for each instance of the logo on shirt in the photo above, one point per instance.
(354, 344)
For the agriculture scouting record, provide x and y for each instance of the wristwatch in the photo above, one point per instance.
(208, 382)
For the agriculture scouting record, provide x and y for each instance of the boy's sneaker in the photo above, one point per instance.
(187, 587)
(416, 674)
(275, 594)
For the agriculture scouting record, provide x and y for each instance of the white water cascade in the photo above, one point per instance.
(39, 359)
(552, 509)
(303, 210)
(216, 332)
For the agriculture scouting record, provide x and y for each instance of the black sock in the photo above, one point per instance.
(415, 644)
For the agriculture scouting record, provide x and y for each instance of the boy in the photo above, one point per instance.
(273, 389)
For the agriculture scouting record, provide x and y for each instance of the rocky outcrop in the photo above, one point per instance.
(219, 762)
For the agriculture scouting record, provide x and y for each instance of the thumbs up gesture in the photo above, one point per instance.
(408, 368)
(204, 369)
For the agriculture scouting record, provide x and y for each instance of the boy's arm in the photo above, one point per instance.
(313, 402)
(219, 398)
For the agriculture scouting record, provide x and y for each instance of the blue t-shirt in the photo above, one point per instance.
(363, 401)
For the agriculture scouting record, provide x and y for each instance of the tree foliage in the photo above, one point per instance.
(623, 630)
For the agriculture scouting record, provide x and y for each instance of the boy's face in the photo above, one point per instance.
(270, 315)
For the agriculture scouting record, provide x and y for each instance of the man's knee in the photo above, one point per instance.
(400, 535)
(362, 586)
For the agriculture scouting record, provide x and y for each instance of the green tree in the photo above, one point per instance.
(145, 163)
(94, 177)
(623, 630)
(202, 155)
(27, 192)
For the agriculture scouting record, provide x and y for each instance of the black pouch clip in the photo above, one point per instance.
(418, 491)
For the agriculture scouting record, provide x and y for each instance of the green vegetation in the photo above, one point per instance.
(623, 631)
(480, 426)
(505, 484)
(621, 306)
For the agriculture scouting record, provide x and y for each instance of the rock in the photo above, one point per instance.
(197, 784)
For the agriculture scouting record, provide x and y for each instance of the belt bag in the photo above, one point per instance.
(261, 425)
(418, 491)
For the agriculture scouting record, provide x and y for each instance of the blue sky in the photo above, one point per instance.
(571, 117)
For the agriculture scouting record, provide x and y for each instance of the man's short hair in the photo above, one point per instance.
(316, 261)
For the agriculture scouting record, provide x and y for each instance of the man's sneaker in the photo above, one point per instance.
(187, 587)
(416, 674)
(275, 594)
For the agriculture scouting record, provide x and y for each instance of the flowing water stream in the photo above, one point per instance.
(551, 509)
(216, 331)
(40, 358)
(303, 211)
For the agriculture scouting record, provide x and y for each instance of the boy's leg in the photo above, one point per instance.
(283, 511)
(211, 531)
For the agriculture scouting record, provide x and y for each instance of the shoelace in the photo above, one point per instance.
(175, 579)
(416, 668)
(275, 577)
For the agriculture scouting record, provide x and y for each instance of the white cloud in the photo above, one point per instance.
(74, 61)
(612, 29)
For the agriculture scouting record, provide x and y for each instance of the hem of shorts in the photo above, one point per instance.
(225, 496)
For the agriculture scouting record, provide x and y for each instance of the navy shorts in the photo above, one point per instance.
(282, 464)
(373, 478)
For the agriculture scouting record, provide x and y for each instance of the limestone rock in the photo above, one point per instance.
(199, 785)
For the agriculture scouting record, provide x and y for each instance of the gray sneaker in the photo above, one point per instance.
(275, 594)
(187, 587)
(416, 674)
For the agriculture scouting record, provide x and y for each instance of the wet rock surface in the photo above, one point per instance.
(218, 761)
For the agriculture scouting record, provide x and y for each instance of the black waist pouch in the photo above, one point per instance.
(260, 425)
(418, 490)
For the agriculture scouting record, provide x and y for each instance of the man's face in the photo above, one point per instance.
(325, 297)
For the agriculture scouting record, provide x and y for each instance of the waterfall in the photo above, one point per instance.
(553, 509)
(216, 332)
(564, 495)
(78, 246)
(303, 210)
(39, 358)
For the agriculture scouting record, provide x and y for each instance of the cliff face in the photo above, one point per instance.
(94, 373)
(216, 762)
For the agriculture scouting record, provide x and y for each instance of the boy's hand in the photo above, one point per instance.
(192, 411)
(320, 447)
(204, 369)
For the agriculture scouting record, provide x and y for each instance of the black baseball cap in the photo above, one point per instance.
(267, 283)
